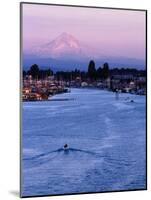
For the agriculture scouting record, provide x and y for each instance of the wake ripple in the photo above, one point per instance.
(62, 150)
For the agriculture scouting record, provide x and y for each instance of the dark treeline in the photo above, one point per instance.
(38, 73)
(124, 71)
(92, 73)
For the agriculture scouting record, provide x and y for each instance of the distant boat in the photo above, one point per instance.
(65, 147)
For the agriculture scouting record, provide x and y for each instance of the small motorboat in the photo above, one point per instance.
(65, 147)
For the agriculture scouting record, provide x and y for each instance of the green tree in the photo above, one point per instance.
(34, 71)
(49, 72)
(92, 70)
(105, 71)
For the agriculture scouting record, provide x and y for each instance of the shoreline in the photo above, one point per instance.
(80, 88)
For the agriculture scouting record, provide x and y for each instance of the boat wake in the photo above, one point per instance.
(61, 150)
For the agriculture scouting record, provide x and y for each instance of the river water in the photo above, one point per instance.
(106, 138)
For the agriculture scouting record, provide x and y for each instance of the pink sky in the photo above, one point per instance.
(112, 32)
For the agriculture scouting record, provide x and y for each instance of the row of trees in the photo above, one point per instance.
(100, 73)
(36, 72)
(92, 73)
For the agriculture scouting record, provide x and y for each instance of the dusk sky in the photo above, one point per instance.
(113, 32)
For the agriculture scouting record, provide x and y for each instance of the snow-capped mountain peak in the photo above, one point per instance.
(65, 45)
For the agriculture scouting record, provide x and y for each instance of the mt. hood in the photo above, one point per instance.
(64, 46)
(66, 52)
